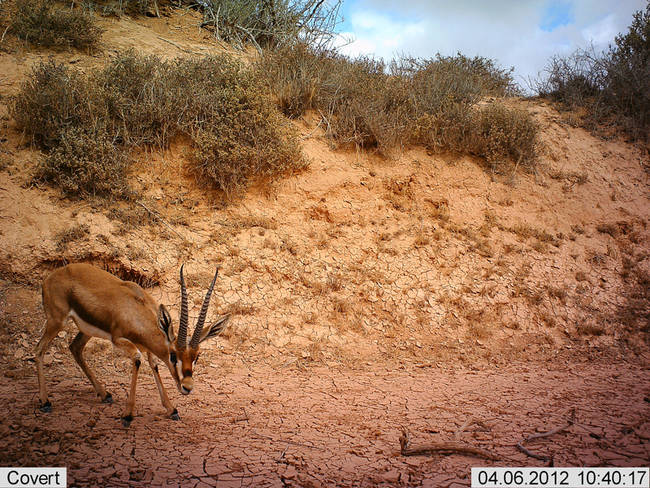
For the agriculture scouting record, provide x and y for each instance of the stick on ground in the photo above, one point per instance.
(441, 448)
(541, 457)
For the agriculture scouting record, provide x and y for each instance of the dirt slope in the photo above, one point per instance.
(368, 295)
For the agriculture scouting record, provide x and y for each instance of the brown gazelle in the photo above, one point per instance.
(102, 305)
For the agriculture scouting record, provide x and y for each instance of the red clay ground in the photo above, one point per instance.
(255, 424)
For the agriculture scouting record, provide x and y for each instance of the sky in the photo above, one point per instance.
(522, 34)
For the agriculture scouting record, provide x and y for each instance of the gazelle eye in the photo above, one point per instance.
(172, 357)
(196, 358)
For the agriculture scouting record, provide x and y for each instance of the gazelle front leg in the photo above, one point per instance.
(76, 347)
(52, 327)
(133, 352)
(171, 410)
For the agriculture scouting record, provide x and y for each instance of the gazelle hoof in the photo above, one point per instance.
(108, 398)
(126, 421)
(174, 415)
(46, 407)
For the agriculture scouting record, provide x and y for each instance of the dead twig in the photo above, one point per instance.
(461, 429)
(241, 418)
(313, 130)
(2, 39)
(177, 46)
(441, 448)
(159, 217)
(541, 457)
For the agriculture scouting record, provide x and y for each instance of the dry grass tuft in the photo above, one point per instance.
(74, 233)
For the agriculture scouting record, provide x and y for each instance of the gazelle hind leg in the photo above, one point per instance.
(132, 351)
(171, 410)
(76, 348)
(52, 328)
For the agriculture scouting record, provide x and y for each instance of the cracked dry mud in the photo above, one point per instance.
(256, 424)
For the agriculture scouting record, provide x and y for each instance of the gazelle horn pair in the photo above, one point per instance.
(182, 327)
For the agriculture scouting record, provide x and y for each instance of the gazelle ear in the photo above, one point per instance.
(216, 328)
(165, 323)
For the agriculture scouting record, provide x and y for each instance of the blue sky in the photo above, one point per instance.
(521, 34)
(556, 14)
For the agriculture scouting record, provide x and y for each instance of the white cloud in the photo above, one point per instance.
(379, 34)
(506, 30)
(602, 32)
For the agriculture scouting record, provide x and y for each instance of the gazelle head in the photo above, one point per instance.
(182, 356)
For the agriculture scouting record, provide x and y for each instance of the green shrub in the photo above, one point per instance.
(84, 163)
(39, 23)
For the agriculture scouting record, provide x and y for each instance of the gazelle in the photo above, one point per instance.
(102, 305)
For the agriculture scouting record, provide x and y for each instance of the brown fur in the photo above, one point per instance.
(119, 310)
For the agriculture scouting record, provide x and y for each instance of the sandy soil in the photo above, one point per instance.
(423, 292)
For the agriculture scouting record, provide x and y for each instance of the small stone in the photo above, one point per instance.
(392, 476)
(290, 473)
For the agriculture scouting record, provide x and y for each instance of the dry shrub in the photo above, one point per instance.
(38, 22)
(364, 106)
(431, 102)
(86, 163)
(129, 7)
(257, 148)
(358, 101)
(217, 102)
(271, 23)
(136, 99)
(293, 75)
(465, 79)
(51, 99)
(504, 133)
(613, 86)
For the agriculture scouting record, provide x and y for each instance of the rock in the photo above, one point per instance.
(290, 473)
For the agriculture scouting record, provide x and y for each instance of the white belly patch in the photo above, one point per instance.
(87, 328)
